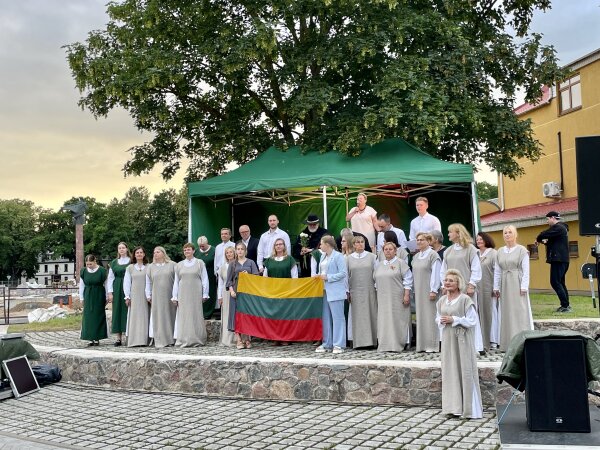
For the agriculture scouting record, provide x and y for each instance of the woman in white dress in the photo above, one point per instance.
(456, 317)
(511, 287)
(426, 273)
(190, 290)
(363, 298)
(393, 280)
(363, 219)
(160, 276)
(227, 337)
(488, 303)
(136, 299)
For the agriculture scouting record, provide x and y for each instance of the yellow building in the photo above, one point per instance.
(567, 110)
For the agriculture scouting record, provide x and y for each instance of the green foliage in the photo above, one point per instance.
(216, 82)
(486, 191)
(19, 248)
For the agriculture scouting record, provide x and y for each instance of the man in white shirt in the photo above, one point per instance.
(424, 222)
(265, 245)
(220, 249)
(386, 225)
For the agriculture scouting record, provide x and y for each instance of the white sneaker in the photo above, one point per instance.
(337, 350)
(321, 349)
(493, 346)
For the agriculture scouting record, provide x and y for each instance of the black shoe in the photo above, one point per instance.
(118, 344)
(92, 344)
(564, 309)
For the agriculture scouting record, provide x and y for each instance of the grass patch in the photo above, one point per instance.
(71, 322)
(543, 306)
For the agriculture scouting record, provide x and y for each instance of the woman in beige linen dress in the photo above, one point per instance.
(363, 297)
(511, 286)
(456, 317)
(134, 287)
(190, 290)
(426, 273)
(393, 280)
(160, 277)
(488, 303)
(227, 337)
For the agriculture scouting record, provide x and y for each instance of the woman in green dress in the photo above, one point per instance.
(116, 294)
(206, 253)
(280, 265)
(93, 298)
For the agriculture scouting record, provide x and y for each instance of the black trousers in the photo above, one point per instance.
(558, 270)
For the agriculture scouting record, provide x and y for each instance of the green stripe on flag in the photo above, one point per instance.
(284, 309)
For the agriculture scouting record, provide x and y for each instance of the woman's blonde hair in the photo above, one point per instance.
(274, 252)
(349, 236)
(464, 237)
(229, 249)
(164, 252)
(329, 240)
(462, 284)
(428, 237)
(511, 227)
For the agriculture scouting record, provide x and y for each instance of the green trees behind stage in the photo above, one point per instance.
(28, 231)
(215, 82)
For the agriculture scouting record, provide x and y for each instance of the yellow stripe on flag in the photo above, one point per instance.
(280, 287)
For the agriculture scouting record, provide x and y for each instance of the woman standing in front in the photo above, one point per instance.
(116, 295)
(426, 272)
(456, 318)
(190, 290)
(92, 294)
(136, 298)
(227, 337)
(332, 269)
(206, 253)
(462, 256)
(280, 264)
(393, 280)
(511, 287)
(488, 303)
(160, 277)
(240, 265)
(361, 265)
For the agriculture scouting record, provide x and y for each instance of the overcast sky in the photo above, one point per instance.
(51, 150)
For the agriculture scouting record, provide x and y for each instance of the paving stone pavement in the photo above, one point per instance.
(70, 416)
(260, 349)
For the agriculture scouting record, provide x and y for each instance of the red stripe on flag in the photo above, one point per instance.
(279, 330)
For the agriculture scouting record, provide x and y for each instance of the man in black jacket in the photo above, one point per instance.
(556, 240)
(313, 234)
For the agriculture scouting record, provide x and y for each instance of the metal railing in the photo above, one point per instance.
(12, 296)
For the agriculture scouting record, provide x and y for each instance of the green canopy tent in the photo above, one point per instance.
(293, 184)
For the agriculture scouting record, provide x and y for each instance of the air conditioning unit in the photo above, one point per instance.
(551, 189)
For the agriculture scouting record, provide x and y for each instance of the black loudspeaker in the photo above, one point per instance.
(556, 385)
(588, 161)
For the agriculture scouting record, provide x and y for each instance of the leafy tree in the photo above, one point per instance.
(486, 191)
(19, 248)
(56, 234)
(218, 82)
(168, 222)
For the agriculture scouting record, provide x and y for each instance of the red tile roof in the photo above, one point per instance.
(530, 211)
(544, 100)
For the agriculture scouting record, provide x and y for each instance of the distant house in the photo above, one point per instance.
(567, 110)
(57, 270)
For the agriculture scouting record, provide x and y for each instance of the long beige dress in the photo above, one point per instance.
(162, 312)
(227, 337)
(190, 326)
(394, 325)
(515, 310)
(461, 395)
(138, 314)
(424, 266)
(488, 306)
(363, 300)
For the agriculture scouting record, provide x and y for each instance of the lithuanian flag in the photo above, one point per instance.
(279, 309)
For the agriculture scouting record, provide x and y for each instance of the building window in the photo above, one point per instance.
(46, 279)
(45, 268)
(533, 251)
(573, 249)
(570, 94)
(66, 268)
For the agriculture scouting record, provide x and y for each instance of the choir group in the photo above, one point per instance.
(467, 298)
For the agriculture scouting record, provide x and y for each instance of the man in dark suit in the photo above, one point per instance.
(556, 239)
(314, 232)
(250, 242)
